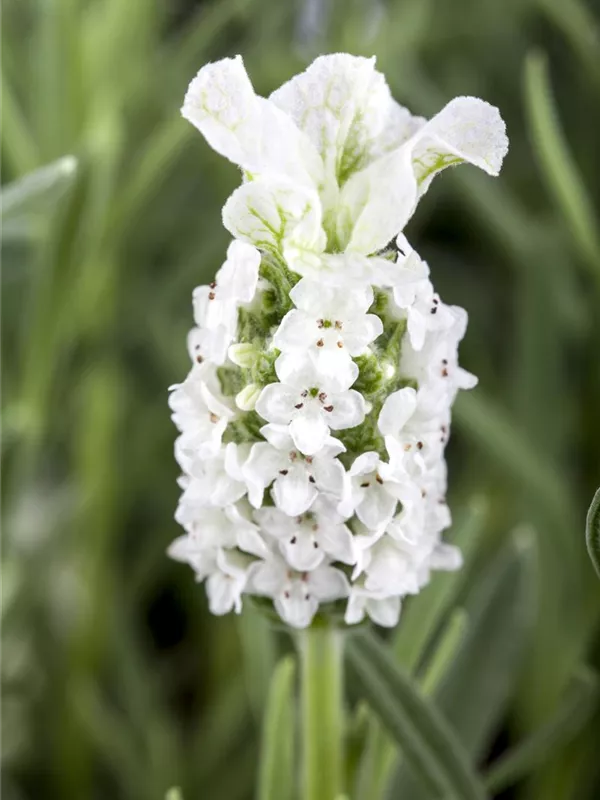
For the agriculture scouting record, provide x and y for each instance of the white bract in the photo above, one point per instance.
(324, 365)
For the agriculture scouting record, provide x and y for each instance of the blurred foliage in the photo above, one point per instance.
(116, 681)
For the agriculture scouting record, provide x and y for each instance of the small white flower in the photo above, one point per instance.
(382, 608)
(201, 413)
(216, 305)
(304, 401)
(296, 595)
(375, 489)
(437, 361)
(217, 481)
(331, 326)
(414, 426)
(305, 540)
(296, 478)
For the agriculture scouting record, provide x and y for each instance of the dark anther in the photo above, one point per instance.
(328, 408)
(283, 472)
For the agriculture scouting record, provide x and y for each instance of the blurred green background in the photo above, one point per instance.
(116, 681)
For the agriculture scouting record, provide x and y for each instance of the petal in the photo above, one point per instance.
(466, 130)
(329, 474)
(309, 431)
(364, 464)
(376, 509)
(294, 332)
(384, 612)
(360, 332)
(248, 130)
(278, 436)
(342, 103)
(335, 368)
(296, 370)
(272, 213)
(240, 271)
(275, 522)
(296, 606)
(276, 403)
(294, 493)
(328, 583)
(266, 577)
(446, 557)
(348, 410)
(300, 552)
(397, 410)
(376, 203)
(355, 610)
(262, 466)
(223, 593)
(337, 542)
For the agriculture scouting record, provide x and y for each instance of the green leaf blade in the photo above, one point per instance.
(568, 720)
(592, 532)
(276, 770)
(427, 741)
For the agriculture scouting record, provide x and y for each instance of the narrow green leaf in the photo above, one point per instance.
(451, 640)
(427, 741)
(276, 768)
(570, 717)
(425, 612)
(592, 532)
(557, 165)
(27, 201)
(474, 692)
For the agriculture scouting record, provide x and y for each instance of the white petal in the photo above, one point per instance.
(466, 130)
(376, 203)
(338, 542)
(245, 128)
(328, 583)
(384, 612)
(364, 464)
(294, 332)
(309, 432)
(294, 493)
(342, 103)
(272, 213)
(276, 403)
(360, 332)
(261, 468)
(348, 410)
(446, 557)
(278, 436)
(329, 474)
(377, 508)
(275, 522)
(335, 369)
(223, 593)
(240, 271)
(296, 606)
(397, 410)
(300, 551)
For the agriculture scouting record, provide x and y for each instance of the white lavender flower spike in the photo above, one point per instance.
(314, 419)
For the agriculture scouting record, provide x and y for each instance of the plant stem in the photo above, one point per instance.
(321, 658)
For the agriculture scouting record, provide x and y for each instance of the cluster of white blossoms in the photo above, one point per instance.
(314, 419)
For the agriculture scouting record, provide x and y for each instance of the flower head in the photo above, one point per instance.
(314, 419)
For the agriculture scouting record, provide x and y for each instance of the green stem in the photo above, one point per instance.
(321, 658)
